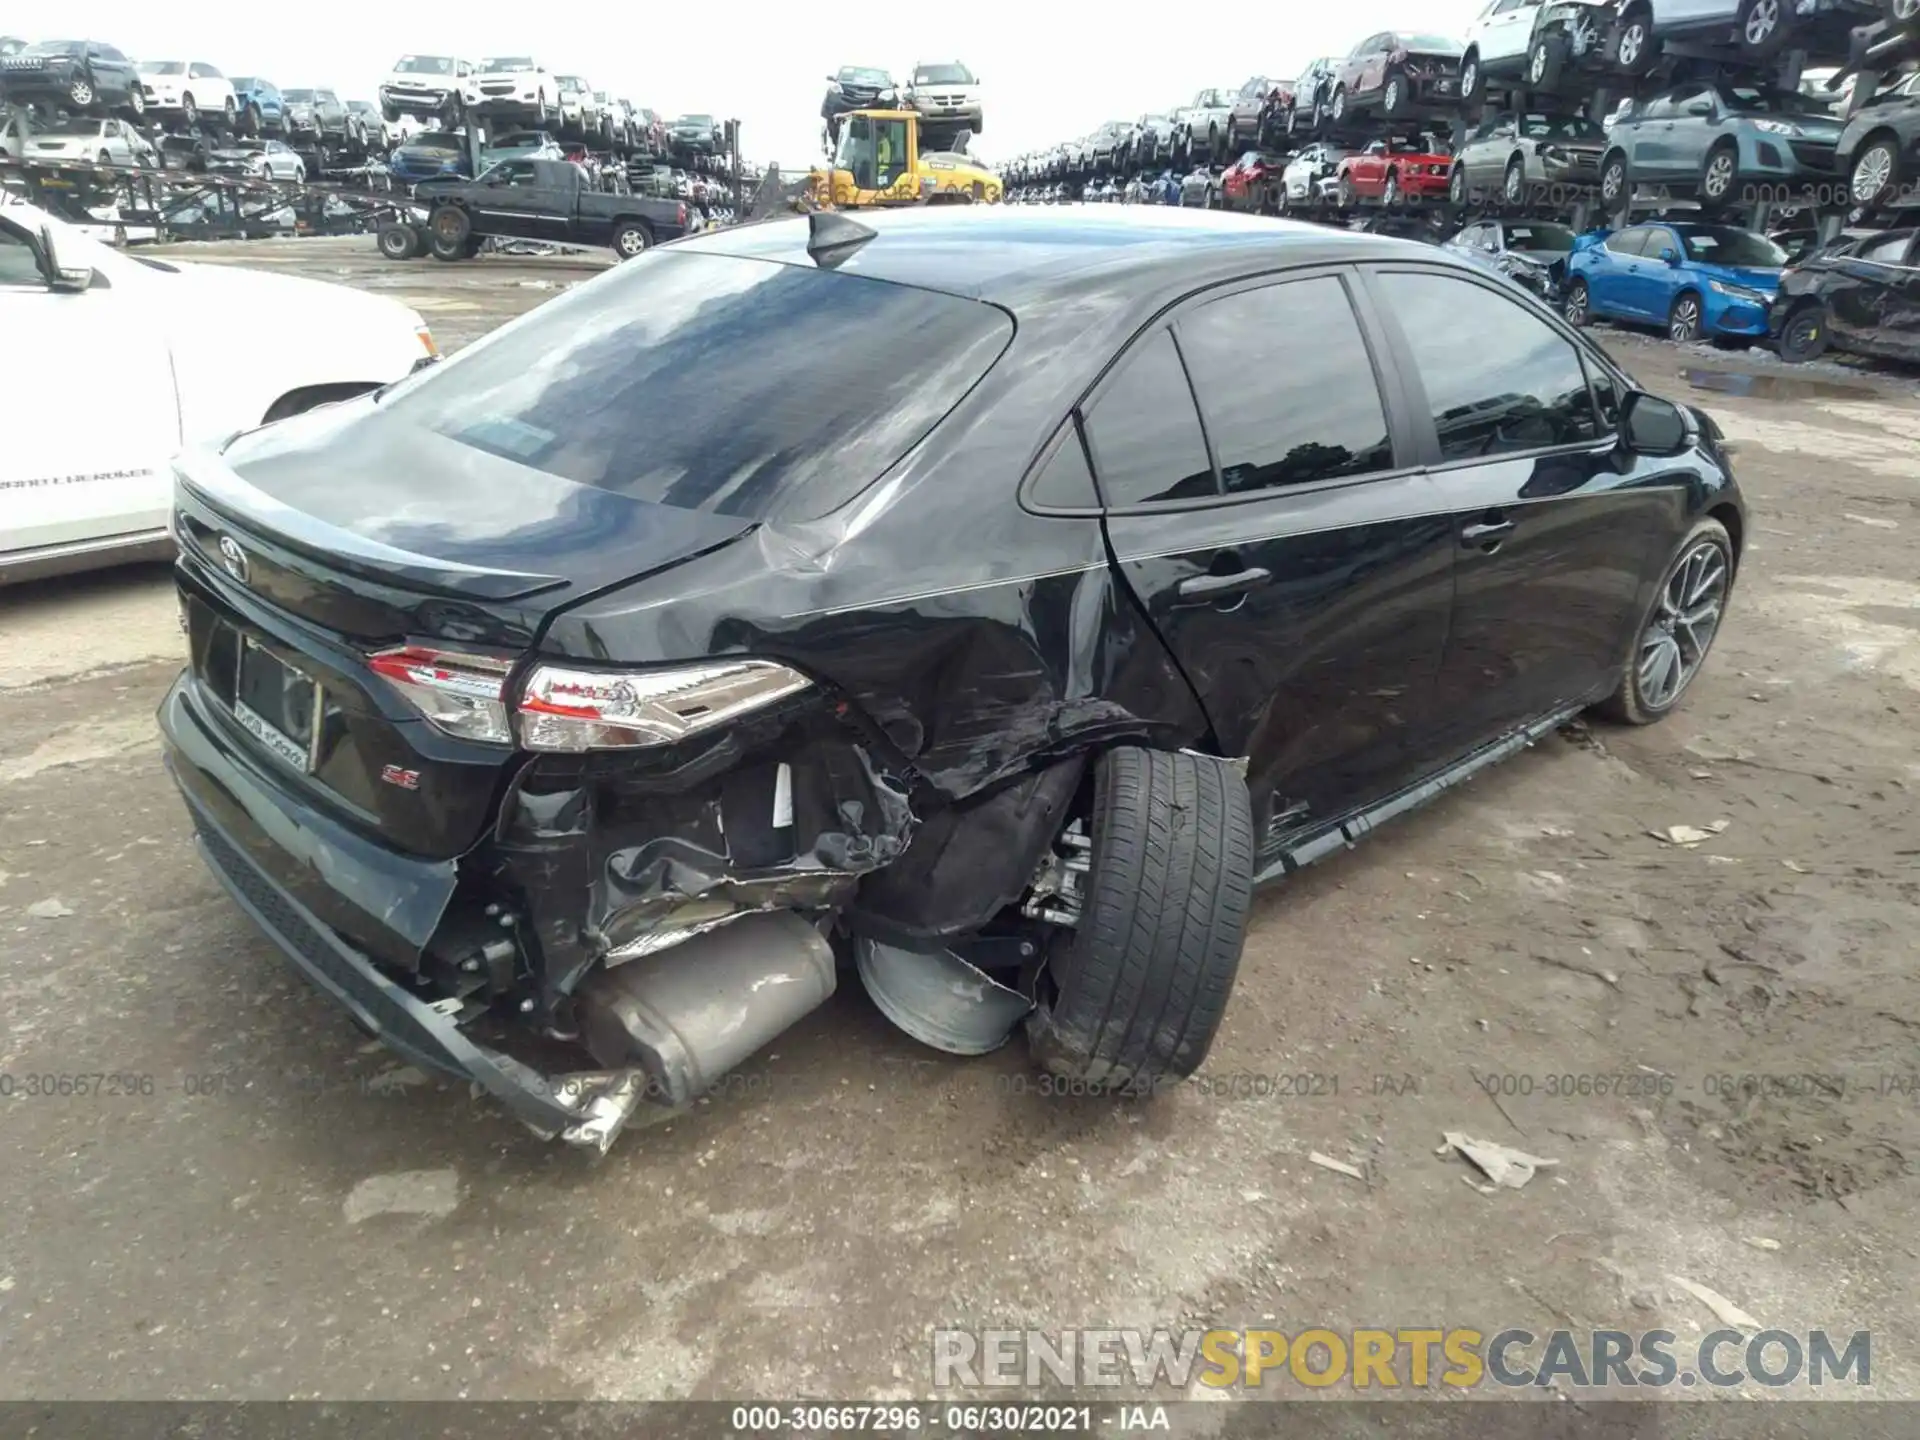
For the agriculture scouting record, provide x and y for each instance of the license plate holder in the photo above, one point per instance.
(277, 704)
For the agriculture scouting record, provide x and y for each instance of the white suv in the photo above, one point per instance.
(514, 87)
(581, 112)
(187, 88)
(946, 93)
(426, 86)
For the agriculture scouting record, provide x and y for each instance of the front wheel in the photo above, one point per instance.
(1805, 336)
(1577, 305)
(81, 95)
(1633, 45)
(1683, 321)
(1134, 998)
(136, 101)
(448, 229)
(252, 123)
(1546, 62)
(189, 112)
(1718, 178)
(1393, 96)
(1613, 184)
(1673, 641)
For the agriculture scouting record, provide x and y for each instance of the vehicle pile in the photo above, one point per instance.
(1726, 169)
(181, 148)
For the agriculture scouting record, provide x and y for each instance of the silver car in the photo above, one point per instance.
(266, 159)
(946, 93)
(88, 141)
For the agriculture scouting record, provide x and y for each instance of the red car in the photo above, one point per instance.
(1251, 181)
(1394, 172)
(1398, 74)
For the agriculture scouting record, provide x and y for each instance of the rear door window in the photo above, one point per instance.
(710, 382)
(1274, 421)
(1145, 433)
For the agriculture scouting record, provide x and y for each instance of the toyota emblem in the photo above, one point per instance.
(233, 559)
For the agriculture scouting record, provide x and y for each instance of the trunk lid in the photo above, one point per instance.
(313, 544)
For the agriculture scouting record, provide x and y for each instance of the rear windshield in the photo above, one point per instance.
(709, 382)
(1542, 235)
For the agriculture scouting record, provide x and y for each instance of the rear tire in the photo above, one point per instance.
(1134, 1000)
(399, 242)
(631, 238)
(448, 230)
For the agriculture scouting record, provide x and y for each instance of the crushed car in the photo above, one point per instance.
(881, 595)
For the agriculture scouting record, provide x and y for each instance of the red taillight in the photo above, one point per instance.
(683, 212)
(462, 694)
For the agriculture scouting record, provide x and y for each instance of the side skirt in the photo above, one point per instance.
(1278, 862)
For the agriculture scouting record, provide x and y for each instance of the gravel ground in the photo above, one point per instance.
(271, 1207)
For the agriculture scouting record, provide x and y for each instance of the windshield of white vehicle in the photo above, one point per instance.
(507, 62)
(715, 383)
(1540, 237)
(423, 65)
(1725, 245)
(943, 75)
(161, 67)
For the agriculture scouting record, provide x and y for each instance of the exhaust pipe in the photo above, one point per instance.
(688, 1015)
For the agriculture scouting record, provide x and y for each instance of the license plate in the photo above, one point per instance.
(277, 705)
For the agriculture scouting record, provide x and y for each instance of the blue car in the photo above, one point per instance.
(257, 106)
(429, 155)
(1692, 280)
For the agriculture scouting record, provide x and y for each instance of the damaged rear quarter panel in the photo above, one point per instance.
(980, 640)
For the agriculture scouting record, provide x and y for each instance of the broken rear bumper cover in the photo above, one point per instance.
(626, 932)
(242, 827)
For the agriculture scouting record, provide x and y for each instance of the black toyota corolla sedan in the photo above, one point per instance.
(986, 599)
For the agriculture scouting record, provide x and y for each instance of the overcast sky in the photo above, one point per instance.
(1050, 71)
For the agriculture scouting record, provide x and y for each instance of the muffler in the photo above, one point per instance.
(688, 1015)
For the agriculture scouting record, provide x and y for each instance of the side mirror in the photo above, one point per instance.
(1700, 107)
(1652, 426)
(68, 279)
(1670, 255)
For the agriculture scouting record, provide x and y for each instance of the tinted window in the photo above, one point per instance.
(1628, 242)
(1890, 251)
(1273, 420)
(1518, 386)
(1065, 482)
(1540, 237)
(1145, 432)
(713, 383)
(17, 263)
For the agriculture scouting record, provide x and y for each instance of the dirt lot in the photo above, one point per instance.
(208, 1229)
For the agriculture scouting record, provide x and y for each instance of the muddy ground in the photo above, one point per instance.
(269, 1206)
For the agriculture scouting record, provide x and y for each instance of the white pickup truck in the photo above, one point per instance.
(113, 362)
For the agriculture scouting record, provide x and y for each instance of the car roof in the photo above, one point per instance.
(1014, 256)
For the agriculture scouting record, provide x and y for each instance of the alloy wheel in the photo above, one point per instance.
(1391, 98)
(1873, 172)
(1762, 21)
(1575, 308)
(1906, 11)
(80, 93)
(1684, 622)
(1633, 41)
(1391, 196)
(1516, 185)
(1469, 79)
(1685, 323)
(1537, 67)
(1613, 181)
(1457, 186)
(1719, 179)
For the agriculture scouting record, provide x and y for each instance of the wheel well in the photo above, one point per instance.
(1729, 516)
(308, 397)
(1884, 132)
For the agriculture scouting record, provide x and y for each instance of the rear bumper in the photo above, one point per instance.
(274, 855)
